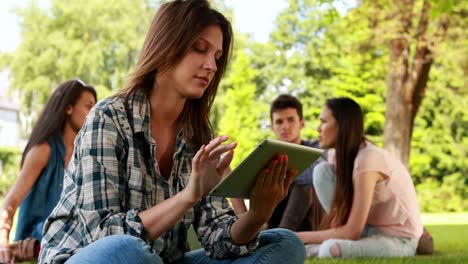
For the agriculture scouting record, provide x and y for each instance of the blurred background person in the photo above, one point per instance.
(45, 157)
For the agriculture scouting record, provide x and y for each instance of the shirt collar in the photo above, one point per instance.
(139, 105)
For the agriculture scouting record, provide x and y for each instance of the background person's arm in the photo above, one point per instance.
(35, 161)
(364, 186)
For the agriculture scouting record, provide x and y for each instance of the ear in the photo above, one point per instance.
(302, 123)
(69, 110)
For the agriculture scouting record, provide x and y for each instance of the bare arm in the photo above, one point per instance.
(363, 192)
(35, 161)
(161, 217)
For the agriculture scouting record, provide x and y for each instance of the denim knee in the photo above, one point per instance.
(116, 249)
(129, 243)
(291, 245)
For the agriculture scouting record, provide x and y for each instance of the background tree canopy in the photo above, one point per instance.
(315, 51)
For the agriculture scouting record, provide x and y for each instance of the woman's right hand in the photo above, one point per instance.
(207, 167)
(6, 221)
(6, 255)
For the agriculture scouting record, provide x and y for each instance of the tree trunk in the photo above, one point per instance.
(406, 85)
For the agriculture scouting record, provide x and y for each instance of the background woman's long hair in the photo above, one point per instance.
(349, 118)
(53, 116)
(173, 31)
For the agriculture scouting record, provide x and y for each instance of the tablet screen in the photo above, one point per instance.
(240, 181)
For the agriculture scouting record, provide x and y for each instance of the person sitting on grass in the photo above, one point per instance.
(43, 164)
(300, 210)
(146, 160)
(369, 197)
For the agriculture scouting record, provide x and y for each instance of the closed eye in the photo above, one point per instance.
(200, 50)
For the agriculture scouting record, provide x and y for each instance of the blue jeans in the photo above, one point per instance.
(276, 246)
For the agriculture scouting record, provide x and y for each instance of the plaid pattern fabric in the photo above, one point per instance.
(114, 175)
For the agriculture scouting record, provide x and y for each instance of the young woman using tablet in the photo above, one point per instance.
(146, 160)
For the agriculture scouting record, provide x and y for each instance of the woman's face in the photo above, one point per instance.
(328, 129)
(192, 75)
(77, 113)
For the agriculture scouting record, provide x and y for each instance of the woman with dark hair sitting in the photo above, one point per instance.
(45, 157)
(369, 197)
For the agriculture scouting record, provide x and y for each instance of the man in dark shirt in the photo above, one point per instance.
(300, 210)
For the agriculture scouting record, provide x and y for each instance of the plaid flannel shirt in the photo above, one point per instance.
(114, 175)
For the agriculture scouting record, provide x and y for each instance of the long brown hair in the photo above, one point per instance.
(52, 119)
(173, 31)
(350, 122)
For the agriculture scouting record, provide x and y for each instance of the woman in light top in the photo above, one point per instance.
(369, 197)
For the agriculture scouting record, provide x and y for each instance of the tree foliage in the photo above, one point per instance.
(242, 114)
(318, 49)
(9, 160)
(97, 42)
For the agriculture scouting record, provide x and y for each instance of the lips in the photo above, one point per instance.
(203, 79)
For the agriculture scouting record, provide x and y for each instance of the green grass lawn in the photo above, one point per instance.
(451, 246)
(450, 233)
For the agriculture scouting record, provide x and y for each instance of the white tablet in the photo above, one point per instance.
(240, 181)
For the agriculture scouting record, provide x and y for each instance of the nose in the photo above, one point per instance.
(210, 64)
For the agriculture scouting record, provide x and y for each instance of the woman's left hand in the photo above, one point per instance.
(208, 168)
(270, 189)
